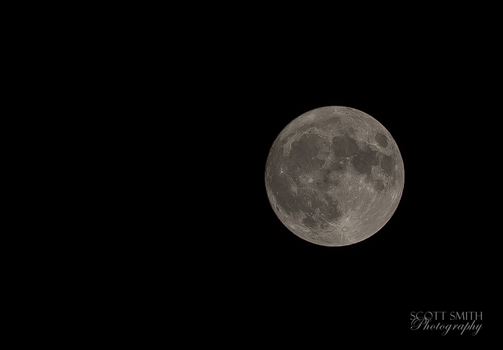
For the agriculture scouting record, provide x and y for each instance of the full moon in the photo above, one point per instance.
(334, 176)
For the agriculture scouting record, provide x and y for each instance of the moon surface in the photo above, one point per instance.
(334, 176)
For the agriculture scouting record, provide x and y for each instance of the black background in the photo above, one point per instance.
(151, 131)
(219, 91)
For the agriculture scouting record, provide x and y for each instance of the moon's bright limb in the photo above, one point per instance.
(334, 176)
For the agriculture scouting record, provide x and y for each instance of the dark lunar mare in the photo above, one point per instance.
(381, 139)
(303, 158)
(362, 158)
